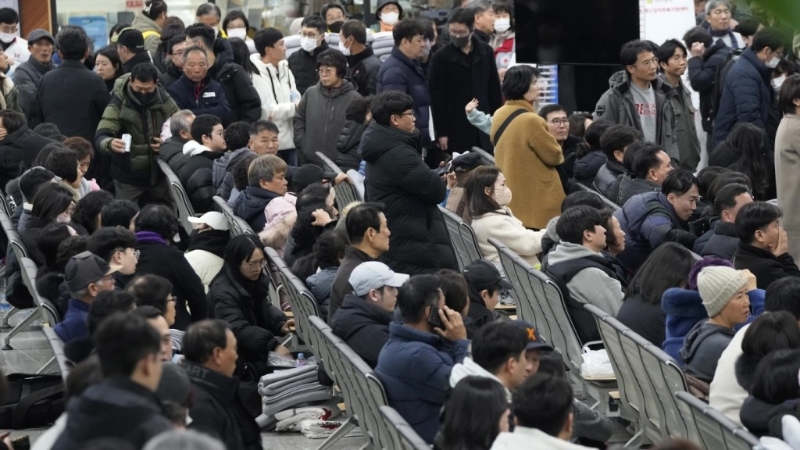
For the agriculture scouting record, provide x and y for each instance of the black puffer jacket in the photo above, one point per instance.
(398, 178)
(724, 155)
(242, 96)
(172, 152)
(195, 175)
(363, 70)
(250, 206)
(245, 305)
(304, 67)
(349, 139)
(363, 325)
(586, 167)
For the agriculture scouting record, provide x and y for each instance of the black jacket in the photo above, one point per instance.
(74, 98)
(765, 419)
(304, 67)
(172, 152)
(171, 74)
(646, 319)
(724, 155)
(587, 166)
(411, 193)
(212, 98)
(363, 326)
(455, 79)
(607, 176)
(242, 95)
(764, 265)
(195, 175)
(349, 140)
(218, 409)
(629, 187)
(399, 73)
(33, 229)
(341, 284)
(113, 408)
(251, 204)
(17, 152)
(723, 242)
(702, 76)
(478, 316)
(168, 262)
(254, 320)
(363, 70)
(139, 58)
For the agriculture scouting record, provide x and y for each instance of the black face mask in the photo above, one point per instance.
(144, 98)
(335, 27)
(461, 42)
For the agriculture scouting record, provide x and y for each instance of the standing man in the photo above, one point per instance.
(303, 63)
(130, 47)
(637, 98)
(460, 72)
(40, 46)
(718, 16)
(196, 91)
(672, 59)
(363, 64)
(483, 13)
(14, 47)
(138, 107)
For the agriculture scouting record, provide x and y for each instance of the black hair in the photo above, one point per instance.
(315, 21)
(68, 248)
(329, 249)
(88, 209)
(466, 426)
(388, 104)
(575, 221)
(9, 16)
(358, 108)
(706, 177)
(304, 233)
(753, 217)
(577, 124)
(357, 29)
(50, 201)
(726, 197)
(234, 15)
(642, 156)
(111, 53)
(584, 198)
(323, 12)
(333, 58)
(551, 363)
(147, 312)
(543, 401)
(63, 162)
(544, 111)
(240, 248)
(770, 37)
(630, 51)
(240, 171)
(241, 56)
(361, 218)
(776, 377)
(46, 129)
(12, 120)
(202, 32)
(427, 25)
(518, 81)
(464, 16)
(678, 182)
(607, 217)
(478, 202)
(117, 28)
(416, 294)
(236, 135)
(266, 37)
(203, 125)
(84, 374)
(72, 43)
(106, 241)
(725, 178)
(151, 290)
(790, 90)
(668, 266)
(145, 73)
(172, 42)
(455, 289)
(262, 125)
(667, 50)
(698, 34)
(784, 295)
(767, 333)
(106, 304)
(123, 340)
(747, 27)
(751, 143)
(32, 180)
(154, 8)
(496, 343)
(407, 29)
(41, 157)
(118, 213)
(616, 137)
(48, 241)
(159, 219)
(81, 146)
(203, 337)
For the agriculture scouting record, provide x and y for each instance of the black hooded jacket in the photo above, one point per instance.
(242, 96)
(251, 204)
(363, 326)
(349, 140)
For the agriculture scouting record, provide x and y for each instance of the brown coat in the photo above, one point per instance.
(528, 155)
(787, 166)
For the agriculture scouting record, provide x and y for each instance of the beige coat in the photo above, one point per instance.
(503, 226)
(528, 155)
(787, 168)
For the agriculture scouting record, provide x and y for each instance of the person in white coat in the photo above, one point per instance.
(487, 203)
(207, 245)
(15, 48)
(277, 89)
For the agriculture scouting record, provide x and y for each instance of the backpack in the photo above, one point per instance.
(32, 401)
(719, 80)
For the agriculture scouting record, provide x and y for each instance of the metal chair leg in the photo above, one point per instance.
(4, 324)
(343, 430)
(36, 314)
(48, 366)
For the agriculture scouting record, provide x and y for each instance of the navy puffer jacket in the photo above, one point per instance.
(398, 73)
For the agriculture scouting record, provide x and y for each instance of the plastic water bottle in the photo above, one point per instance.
(5, 307)
(301, 359)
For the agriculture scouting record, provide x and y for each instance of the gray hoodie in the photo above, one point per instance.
(702, 348)
(590, 285)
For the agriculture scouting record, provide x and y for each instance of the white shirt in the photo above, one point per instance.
(18, 51)
(530, 438)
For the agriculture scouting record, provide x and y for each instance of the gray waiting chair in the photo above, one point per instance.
(716, 430)
(402, 435)
(179, 197)
(345, 192)
(462, 239)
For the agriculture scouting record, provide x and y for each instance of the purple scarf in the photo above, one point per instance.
(150, 237)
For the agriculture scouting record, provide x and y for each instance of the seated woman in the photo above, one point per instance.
(724, 294)
(615, 244)
(315, 213)
(328, 254)
(668, 266)
(775, 393)
(239, 295)
(475, 431)
(155, 226)
(53, 203)
(487, 203)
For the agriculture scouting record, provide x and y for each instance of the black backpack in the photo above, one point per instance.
(719, 80)
(32, 401)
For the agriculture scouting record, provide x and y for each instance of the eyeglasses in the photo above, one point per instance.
(458, 33)
(649, 62)
(256, 264)
(326, 70)
(560, 121)
(136, 254)
(721, 12)
(407, 114)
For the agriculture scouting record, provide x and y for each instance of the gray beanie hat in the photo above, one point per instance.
(717, 286)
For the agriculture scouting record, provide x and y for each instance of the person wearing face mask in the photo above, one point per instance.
(236, 25)
(526, 152)
(209, 15)
(746, 92)
(503, 41)
(303, 64)
(150, 20)
(388, 13)
(459, 73)
(139, 106)
(784, 69)
(16, 49)
(363, 65)
(334, 15)
(488, 198)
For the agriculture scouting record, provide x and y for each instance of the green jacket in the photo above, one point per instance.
(125, 115)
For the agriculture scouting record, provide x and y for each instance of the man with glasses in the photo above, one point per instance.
(116, 246)
(86, 276)
(558, 125)
(639, 99)
(303, 63)
(460, 72)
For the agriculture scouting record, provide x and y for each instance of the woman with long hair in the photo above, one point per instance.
(774, 393)
(475, 414)
(53, 203)
(315, 213)
(746, 150)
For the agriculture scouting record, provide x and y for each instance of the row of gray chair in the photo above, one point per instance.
(462, 239)
(179, 197)
(236, 224)
(346, 193)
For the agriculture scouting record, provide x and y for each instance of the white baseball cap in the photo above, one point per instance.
(213, 219)
(374, 275)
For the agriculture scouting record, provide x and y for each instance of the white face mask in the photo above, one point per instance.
(503, 196)
(773, 63)
(7, 37)
(389, 18)
(345, 51)
(63, 218)
(240, 33)
(778, 82)
(308, 44)
(502, 25)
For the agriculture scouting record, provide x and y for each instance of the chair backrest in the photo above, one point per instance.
(51, 313)
(57, 345)
(236, 224)
(14, 238)
(633, 346)
(716, 430)
(303, 303)
(561, 324)
(321, 350)
(403, 436)
(345, 192)
(292, 42)
(608, 202)
(470, 241)
(486, 158)
(185, 209)
(736, 437)
(358, 182)
(453, 225)
(382, 44)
